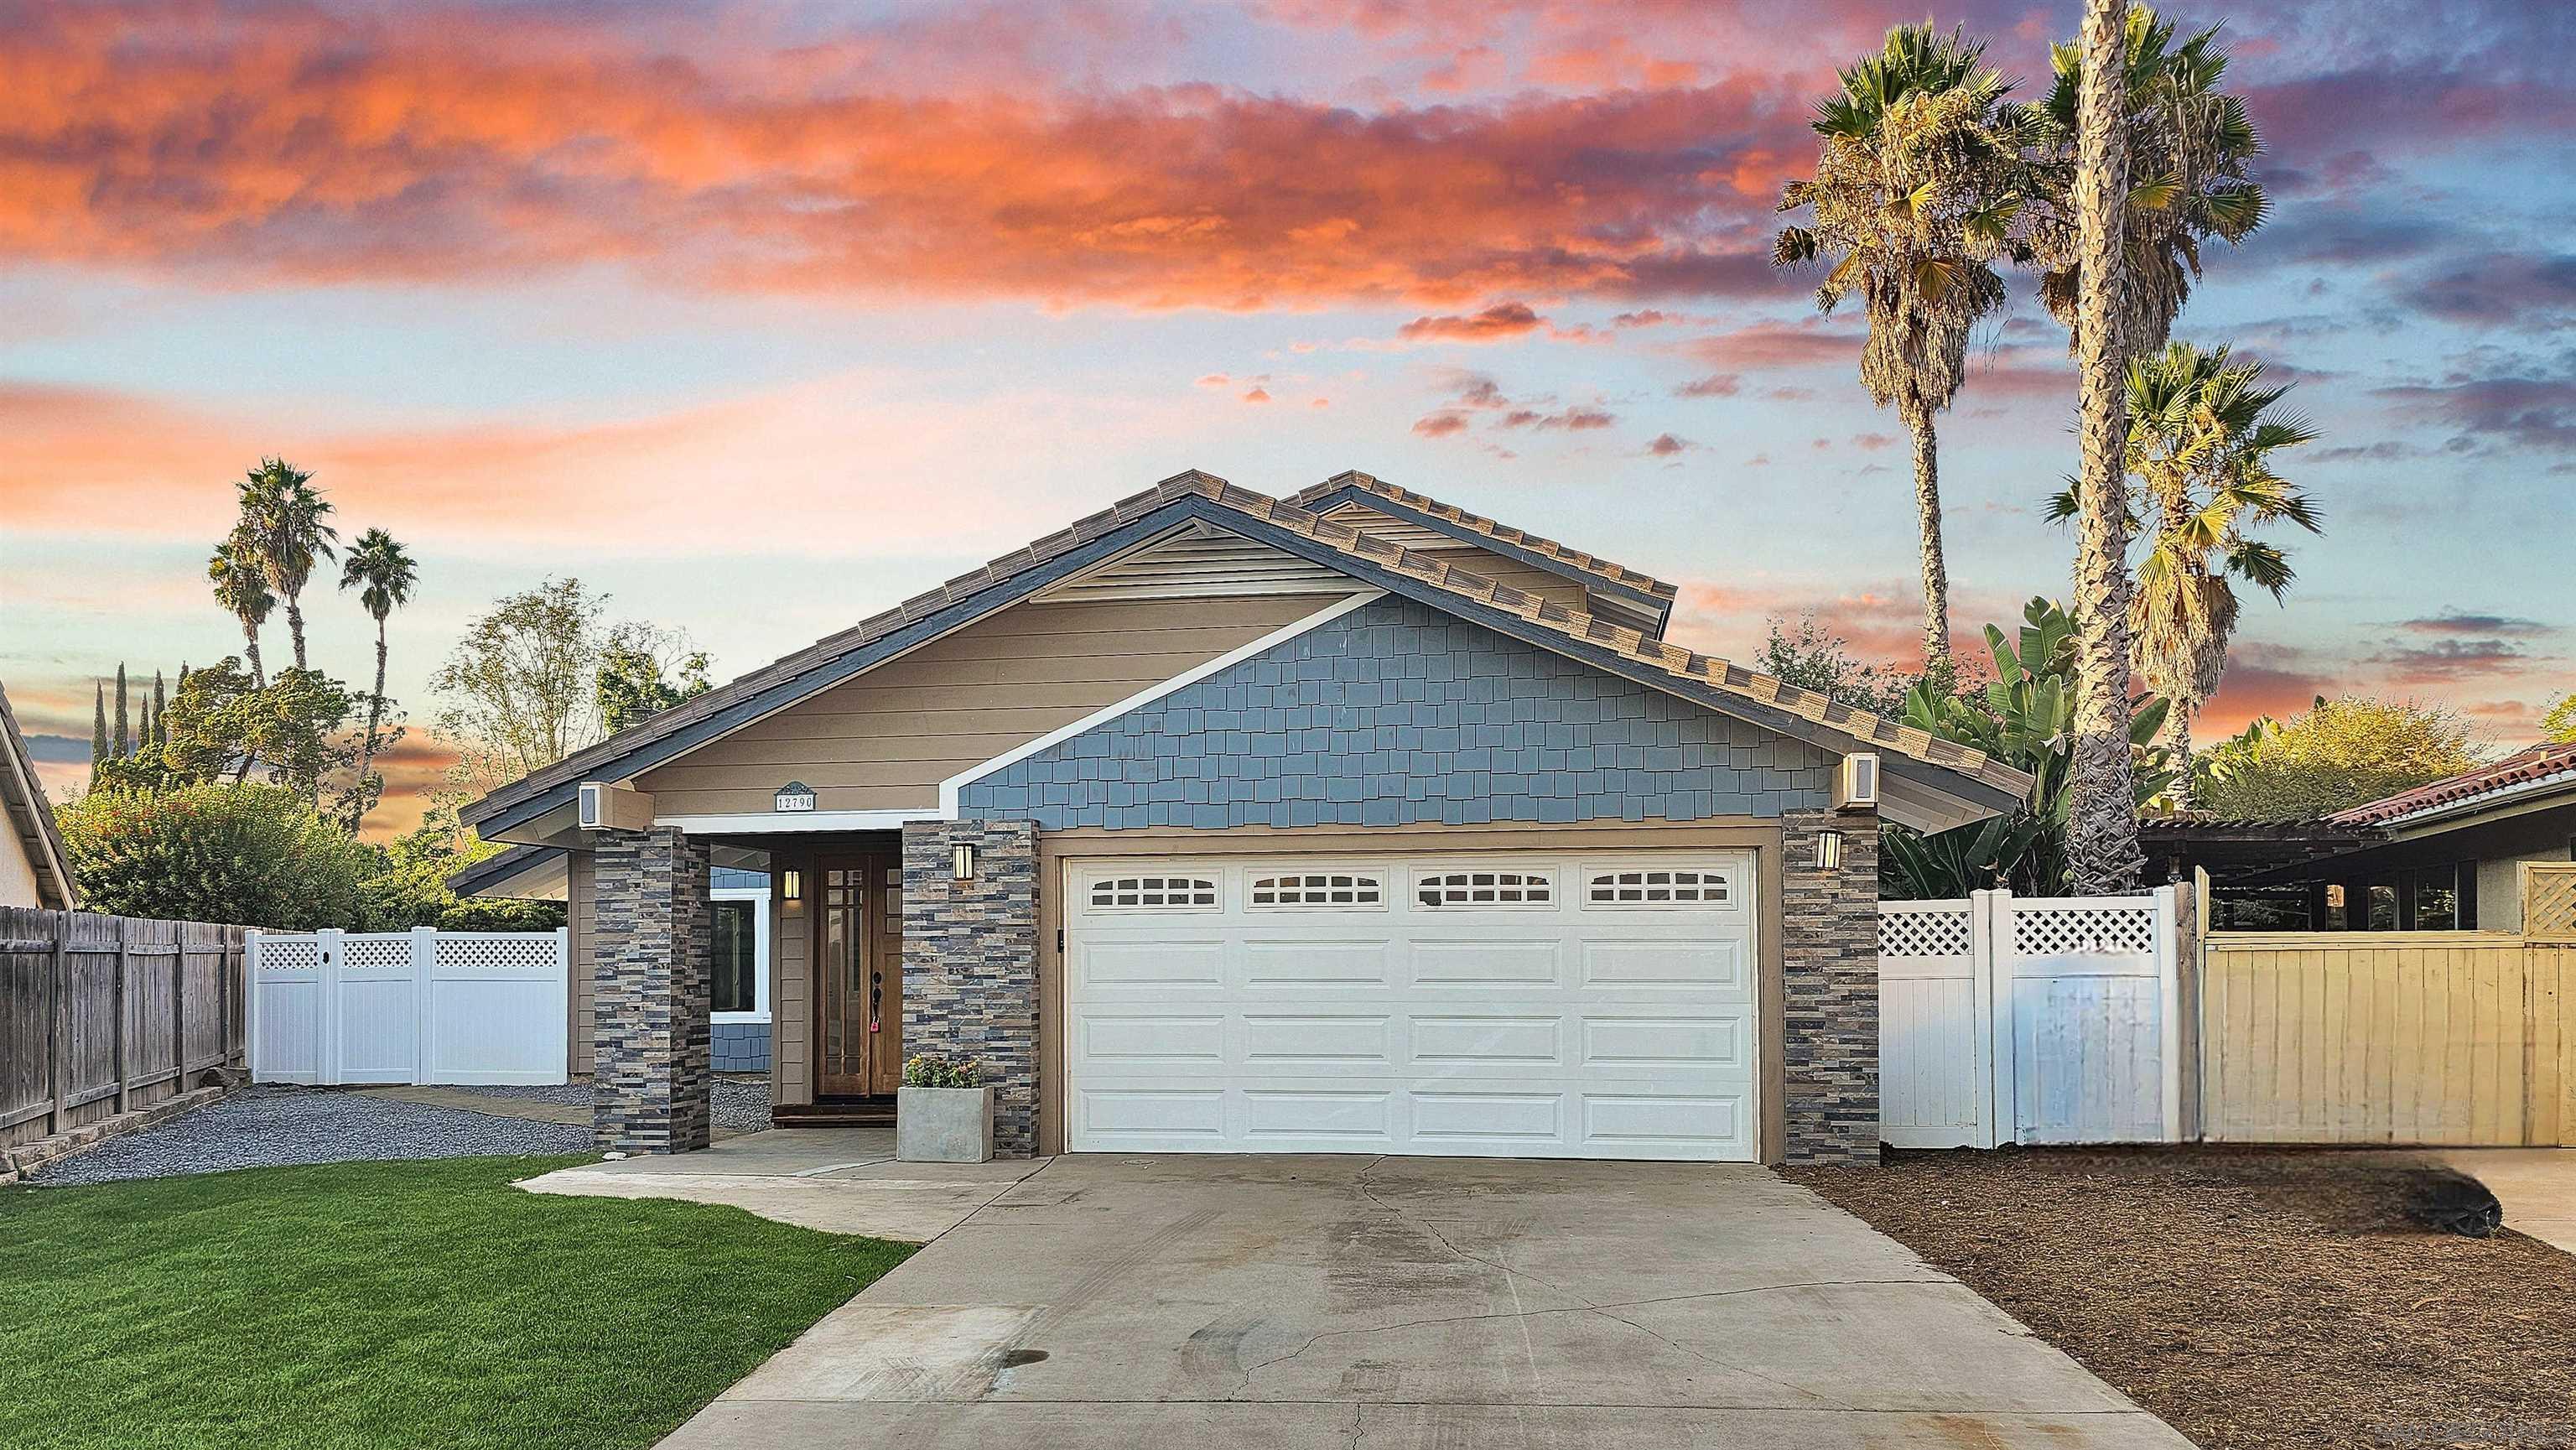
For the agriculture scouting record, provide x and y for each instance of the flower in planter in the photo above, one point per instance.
(929, 1071)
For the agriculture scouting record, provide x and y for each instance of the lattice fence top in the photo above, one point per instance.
(2048, 931)
(376, 953)
(486, 953)
(289, 954)
(2549, 901)
(1923, 933)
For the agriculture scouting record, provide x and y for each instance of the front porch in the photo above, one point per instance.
(878, 949)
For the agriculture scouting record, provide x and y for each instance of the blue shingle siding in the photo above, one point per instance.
(741, 1046)
(729, 878)
(1396, 714)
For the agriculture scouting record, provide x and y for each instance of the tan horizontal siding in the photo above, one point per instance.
(791, 1012)
(886, 739)
(581, 942)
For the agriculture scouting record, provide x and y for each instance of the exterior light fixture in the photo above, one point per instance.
(1829, 850)
(791, 885)
(961, 861)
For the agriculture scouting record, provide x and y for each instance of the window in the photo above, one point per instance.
(1153, 891)
(737, 956)
(1485, 888)
(1321, 888)
(1659, 887)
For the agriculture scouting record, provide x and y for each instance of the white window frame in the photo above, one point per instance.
(1547, 875)
(758, 896)
(1731, 901)
(1378, 877)
(1095, 880)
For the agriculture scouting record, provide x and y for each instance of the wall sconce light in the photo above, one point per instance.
(791, 885)
(1829, 850)
(961, 861)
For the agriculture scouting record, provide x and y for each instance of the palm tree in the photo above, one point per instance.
(241, 587)
(2201, 450)
(2190, 147)
(283, 512)
(383, 574)
(2103, 857)
(1916, 187)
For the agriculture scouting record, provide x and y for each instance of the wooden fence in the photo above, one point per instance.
(2458, 1038)
(99, 1014)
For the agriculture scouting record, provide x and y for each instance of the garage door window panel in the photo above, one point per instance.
(1153, 893)
(1342, 890)
(1484, 889)
(1660, 886)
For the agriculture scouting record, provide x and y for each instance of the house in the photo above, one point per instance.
(1217, 822)
(2444, 856)
(34, 871)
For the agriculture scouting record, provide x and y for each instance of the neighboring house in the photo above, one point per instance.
(1215, 822)
(740, 981)
(34, 871)
(2441, 857)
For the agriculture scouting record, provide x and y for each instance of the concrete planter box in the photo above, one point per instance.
(943, 1125)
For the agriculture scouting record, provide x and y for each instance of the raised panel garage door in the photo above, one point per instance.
(1546, 1005)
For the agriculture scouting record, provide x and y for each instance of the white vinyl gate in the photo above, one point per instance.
(2030, 1020)
(423, 1006)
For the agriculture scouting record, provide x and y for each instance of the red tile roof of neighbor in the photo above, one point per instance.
(2523, 767)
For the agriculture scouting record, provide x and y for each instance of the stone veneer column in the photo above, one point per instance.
(651, 1057)
(1829, 950)
(970, 962)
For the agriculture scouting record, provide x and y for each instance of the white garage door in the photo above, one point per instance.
(1569, 1006)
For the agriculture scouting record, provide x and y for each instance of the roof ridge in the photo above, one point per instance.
(1477, 523)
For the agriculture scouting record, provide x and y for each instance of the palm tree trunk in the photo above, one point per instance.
(250, 648)
(2103, 857)
(375, 715)
(1936, 566)
(295, 628)
(2178, 751)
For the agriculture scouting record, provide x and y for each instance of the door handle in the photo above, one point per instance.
(876, 997)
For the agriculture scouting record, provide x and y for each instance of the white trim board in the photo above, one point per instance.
(796, 822)
(949, 788)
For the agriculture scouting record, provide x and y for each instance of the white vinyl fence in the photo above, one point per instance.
(2030, 1020)
(422, 1006)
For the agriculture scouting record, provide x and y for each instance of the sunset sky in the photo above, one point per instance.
(761, 317)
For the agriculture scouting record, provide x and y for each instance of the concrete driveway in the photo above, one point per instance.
(1305, 1301)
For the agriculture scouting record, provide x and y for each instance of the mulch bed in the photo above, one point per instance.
(2256, 1300)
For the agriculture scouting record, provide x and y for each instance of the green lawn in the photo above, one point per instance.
(390, 1304)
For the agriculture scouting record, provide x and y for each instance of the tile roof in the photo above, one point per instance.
(1505, 533)
(1341, 538)
(2524, 767)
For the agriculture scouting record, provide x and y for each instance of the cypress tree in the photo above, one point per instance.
(98, 728)
(160, 705)
(123, 743)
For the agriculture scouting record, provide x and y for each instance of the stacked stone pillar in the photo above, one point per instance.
(652, 1057)
(970, 962)
(1829, 950)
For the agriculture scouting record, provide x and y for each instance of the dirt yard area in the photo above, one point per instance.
(2255, 1300)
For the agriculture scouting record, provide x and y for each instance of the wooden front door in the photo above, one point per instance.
(858, 953)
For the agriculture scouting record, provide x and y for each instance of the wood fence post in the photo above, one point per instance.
(58, 1117)
(179, 1015)
(116, 1008)
(250, 1001)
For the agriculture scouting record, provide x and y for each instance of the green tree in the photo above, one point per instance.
(98, 752)
(282, 516)
(253, 854)
(2103, 853)
(2026, 719)
(160, 708)
(2201, 448)
(1915, 191)
(412, 887)
(241, 587)
(383, 575)
(2560, 723)
(1807, 654)
(221, 721)
(644, 671)
(122, 743)
(2336, 755)
(521, 688)
(2190, 148)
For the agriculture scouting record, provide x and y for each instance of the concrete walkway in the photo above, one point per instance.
(2537, 1187)
(1172, 1303)
(839, 1180)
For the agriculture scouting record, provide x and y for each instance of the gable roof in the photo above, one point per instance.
(2536, 770)
(1652, 595)
(31, 820)
(1431, 578)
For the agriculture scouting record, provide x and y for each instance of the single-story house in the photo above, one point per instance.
(1219, 822)
(2444, 856)
(34, 871)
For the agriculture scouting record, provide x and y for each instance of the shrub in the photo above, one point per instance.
(927, 1071)
(256, 855)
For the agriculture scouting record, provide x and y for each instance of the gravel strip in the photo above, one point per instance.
(741, 1104)
(267, 1125)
